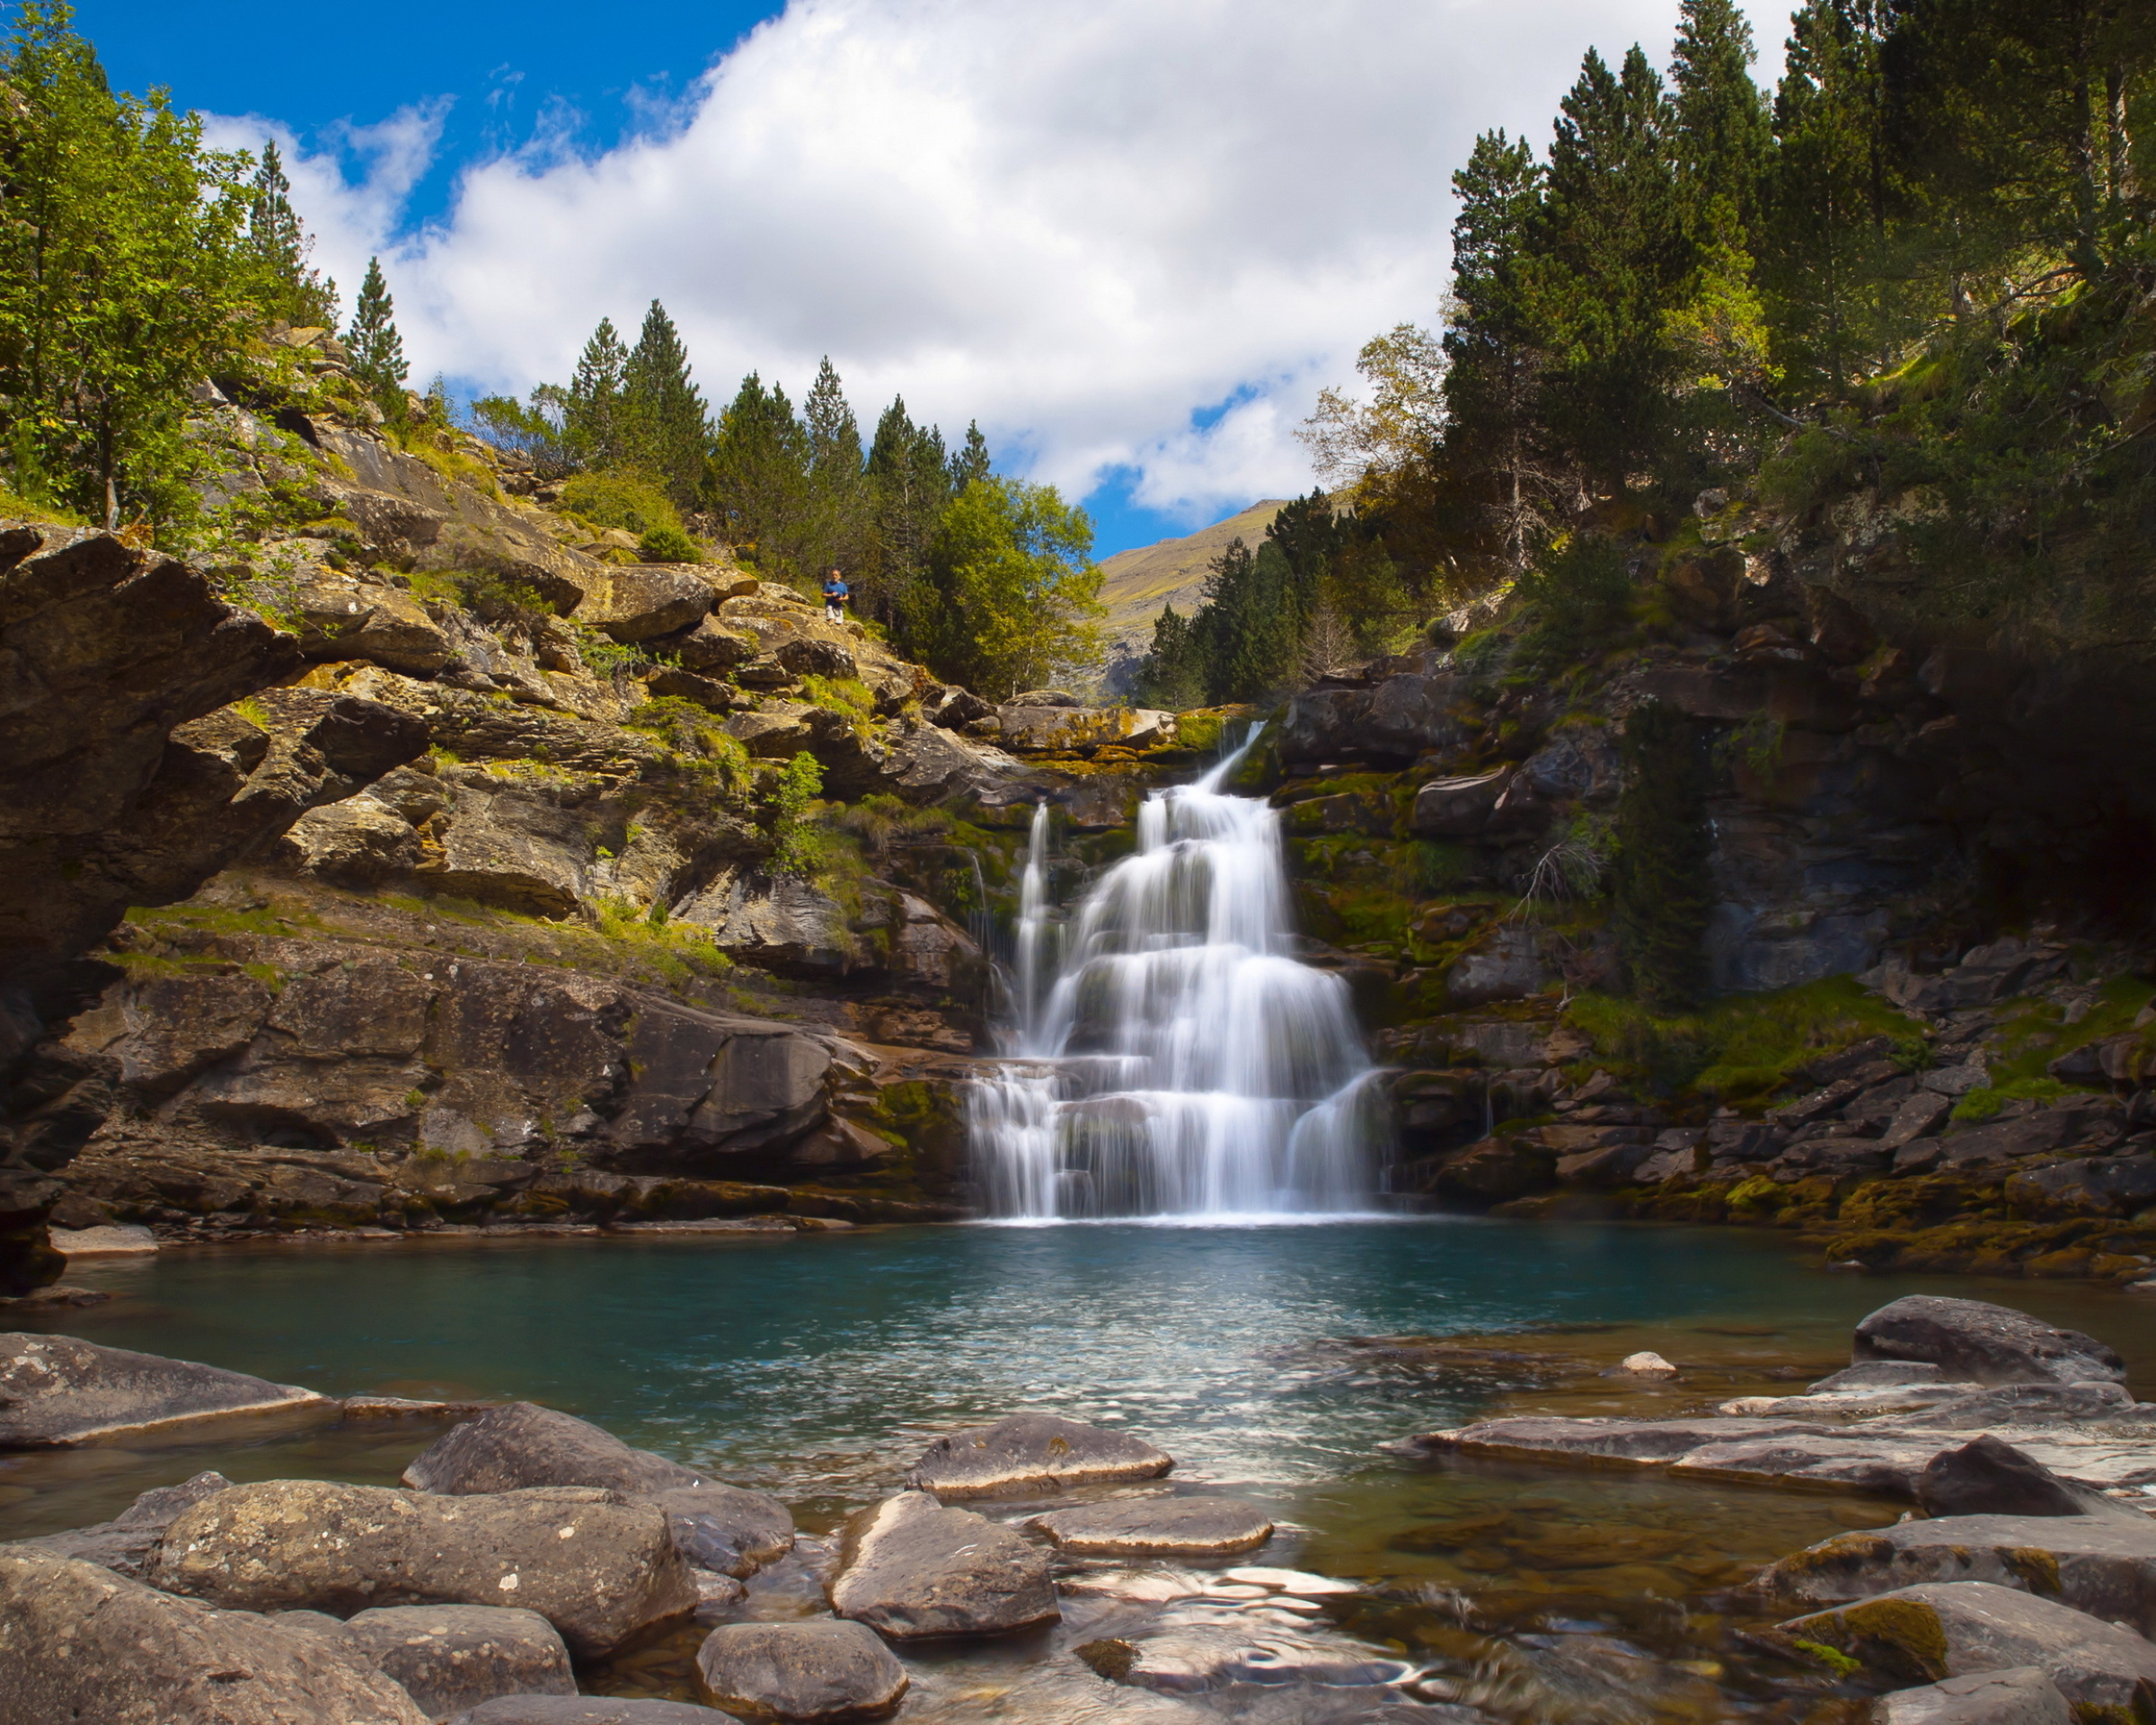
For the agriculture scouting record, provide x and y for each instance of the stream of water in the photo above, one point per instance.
(1172, 1059)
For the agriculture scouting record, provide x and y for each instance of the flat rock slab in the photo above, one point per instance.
(600, 1570)
(910, 1566)
(57, 1390)
(115, 1240)
(1959, 1629)
(820, 1673)
(79, 1642)
(123, 1544)
(585, 1709)
(1880, 1455)
(2022, 1695)
(1991, 1344)
(1037, 1452)
(2094, 1563)
(1158, 1527)
(451, 1657)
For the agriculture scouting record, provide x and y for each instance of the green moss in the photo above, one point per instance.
(15, 507)
(1743, 1048)
(629, 501)
(1907, 1636)
(1985, 1102)
(1833, 1658)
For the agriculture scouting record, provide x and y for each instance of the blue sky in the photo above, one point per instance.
(1133, 237)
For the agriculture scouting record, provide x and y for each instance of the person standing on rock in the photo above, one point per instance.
(836, 595)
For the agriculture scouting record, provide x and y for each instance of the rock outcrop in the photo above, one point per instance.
(56, 1390)
(1032, 1451)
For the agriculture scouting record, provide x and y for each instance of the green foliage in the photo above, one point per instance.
(534, 430)
(798, 845)
(659, 416)
(378, 362)
(591, 406)
(126, 276)
(623, 498)
(287, 286)
(1659, 873)
(668, 545)
(1581, 595)
(1011, 592)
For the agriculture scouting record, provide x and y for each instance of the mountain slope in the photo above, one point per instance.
(1139, 582)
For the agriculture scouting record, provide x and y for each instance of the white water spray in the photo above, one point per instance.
(1182, 1063)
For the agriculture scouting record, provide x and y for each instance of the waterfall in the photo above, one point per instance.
(1180, 1063)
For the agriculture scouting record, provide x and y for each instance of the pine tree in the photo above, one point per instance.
(377, 350)
(909, 486)
(758, 480)
(1609, 263)
(1172, 673)
(1722, 140)
(971, 461)
(664, 428)
(1665, 893)
(591, 409)
(291, 289)
(836, 533)
(1496, 360)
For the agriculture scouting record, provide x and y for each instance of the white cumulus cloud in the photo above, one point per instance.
(1127, 236)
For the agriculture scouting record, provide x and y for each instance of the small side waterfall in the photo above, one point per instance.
(1180, 1063)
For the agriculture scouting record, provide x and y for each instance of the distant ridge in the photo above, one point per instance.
(1138, 582)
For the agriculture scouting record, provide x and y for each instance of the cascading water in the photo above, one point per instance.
(1182, 1063)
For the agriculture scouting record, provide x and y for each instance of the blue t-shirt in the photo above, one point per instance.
(835, 590)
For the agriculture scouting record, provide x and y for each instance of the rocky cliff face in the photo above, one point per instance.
(459, 899)
(1884, 805)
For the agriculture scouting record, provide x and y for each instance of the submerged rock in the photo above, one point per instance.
(1032, 1451)
(124, 1544)
(1196, 1656)
(57, 1390)
(1991, 1344)
(600, 1570)
(1923, 1634)
(79, 1642)
(1158, 1527)
(909, 1567)
(821, 1672)
(2020, 1696)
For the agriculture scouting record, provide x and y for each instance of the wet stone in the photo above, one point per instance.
(910, 1566)
(1158, 1527)
(2021, 1695)
(1992, 1344)
(817, 1672)
(584, 1710)
(1032, 1451)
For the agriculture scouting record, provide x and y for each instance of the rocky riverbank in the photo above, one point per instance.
(528, 1553)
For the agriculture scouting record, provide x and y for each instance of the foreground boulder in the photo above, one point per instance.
(715, 1527)
(2094, 1563)
(78, 1642)
(600, 1570)
(2021, 1695)
(1989, 1344)
(816, 1672)
(1034, 1452)
(909, 1567)
(585, 1709)
(1158, 1527)
(450, 1657)
(56, 1390)
(124, 1544)
(1925, 1634)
